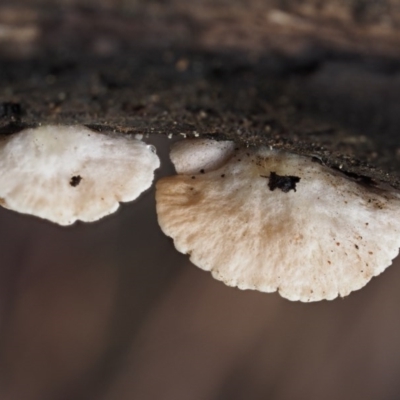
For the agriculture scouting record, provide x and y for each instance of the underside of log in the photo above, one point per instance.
(313, 77)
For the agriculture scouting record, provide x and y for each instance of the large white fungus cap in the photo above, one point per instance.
(274, 221)
(69, 173)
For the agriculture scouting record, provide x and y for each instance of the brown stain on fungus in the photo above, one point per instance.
(75, 180)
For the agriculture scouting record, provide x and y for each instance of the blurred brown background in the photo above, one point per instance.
(110, 310)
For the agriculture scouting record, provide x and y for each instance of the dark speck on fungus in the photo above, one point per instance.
(284, 183)
(75, 180)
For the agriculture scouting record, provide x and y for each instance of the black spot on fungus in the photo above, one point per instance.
(284, 182)
(75, 180)
(202, 171)
(356, 246)
(193, 177)
(223, 176)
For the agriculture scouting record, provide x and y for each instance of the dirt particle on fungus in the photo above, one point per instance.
(371, 252)
(223, 176)
(75, 180)
(193, 177)
(337, 244)
(282, 182)
(202, 171)
(356, 246)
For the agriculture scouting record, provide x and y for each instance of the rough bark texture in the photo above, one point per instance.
(313, 77)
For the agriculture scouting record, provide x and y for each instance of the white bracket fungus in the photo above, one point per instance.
(69, 173)
(274, 221)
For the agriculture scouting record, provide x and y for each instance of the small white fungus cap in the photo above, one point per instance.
(192, 156)
(274, 221)
(69, 173)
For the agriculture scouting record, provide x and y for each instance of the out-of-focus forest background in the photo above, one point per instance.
(110, 310)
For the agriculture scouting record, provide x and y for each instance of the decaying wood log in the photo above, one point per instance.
(313, 77)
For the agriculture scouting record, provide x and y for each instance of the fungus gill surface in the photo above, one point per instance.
(69, 173)
(274, 221)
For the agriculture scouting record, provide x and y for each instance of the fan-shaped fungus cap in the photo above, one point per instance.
(274, 221)
(70, 173)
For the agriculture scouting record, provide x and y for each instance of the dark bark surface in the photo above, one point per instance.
(316, 78)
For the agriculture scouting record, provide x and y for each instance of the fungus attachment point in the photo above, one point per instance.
(326, 239)
(194, 156)
(65, 174)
